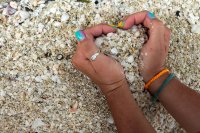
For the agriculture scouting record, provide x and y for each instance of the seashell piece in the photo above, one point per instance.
(74, 107)
(40, 27)
(110, 120)
(24, 15)
(53, 10)
(114, 51)
(8, 11)
(13, 4)
(130, 59)
(37, 123)
(59, 57)
(57, 24)
(64, 17)
(99, 42)
(38, 79)
(1, 6)
(137, 34)
(35, 2)
(16, 56)
(196, 28)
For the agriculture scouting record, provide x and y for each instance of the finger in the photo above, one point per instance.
(156, 38)
(124, 19)
(80, 63)
(98, 30)
(94, 31)
(143, 17)
(146, 18)
(155, 26)
(87, 45)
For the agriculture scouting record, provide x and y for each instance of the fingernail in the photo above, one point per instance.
(151, 15)
(121, 24)
(113, 26)
(80, 35)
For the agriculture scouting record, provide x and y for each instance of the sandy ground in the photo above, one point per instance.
(40, 91)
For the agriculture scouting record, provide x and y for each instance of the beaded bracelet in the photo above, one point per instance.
(155, 77)
(164, 84)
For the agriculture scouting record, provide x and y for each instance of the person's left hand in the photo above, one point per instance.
(106, 72)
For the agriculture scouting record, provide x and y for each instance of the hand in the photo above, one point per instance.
(154, 52)
(106, 72)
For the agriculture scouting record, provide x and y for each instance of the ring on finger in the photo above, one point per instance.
(94, 56)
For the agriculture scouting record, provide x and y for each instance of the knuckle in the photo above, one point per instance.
(146, 11)
(75, 61)
(159, 23)
(168, 32)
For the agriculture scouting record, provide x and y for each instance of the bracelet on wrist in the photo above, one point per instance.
(155, 78)
(162, 86)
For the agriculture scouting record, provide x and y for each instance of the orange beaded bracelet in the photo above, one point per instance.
(155, 77)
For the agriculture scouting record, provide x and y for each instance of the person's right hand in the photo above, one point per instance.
(154, 52)
(106, 72)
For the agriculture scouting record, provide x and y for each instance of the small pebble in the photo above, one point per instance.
(74, 107)
(55, 79)
(9, 11)
(68, 57)
(1, 6)
(24, 15)
(40, 27)
(110, 120)
(16, 56)
(37, 123)
(178, 13)
(28, 9)
(192, 19)
(35, 2)
(64, 17)
(2, 93)
(130, 59)
(53, 10)
(99, 42)
(96, 2)
(34, 56)
(59, 56)
(38, 79)
(114, 51)
(48, 54)
(13, 4)
(137, 34)
(195, 28)
(57, 24)
(134, 28)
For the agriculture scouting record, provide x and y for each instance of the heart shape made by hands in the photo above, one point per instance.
(124, 46)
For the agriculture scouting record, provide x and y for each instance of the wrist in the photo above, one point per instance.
(148, 75)
(111, 88)
(153, 88)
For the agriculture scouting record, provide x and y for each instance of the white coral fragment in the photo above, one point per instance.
(196, 28)
(37, 123)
